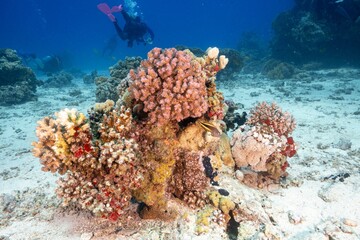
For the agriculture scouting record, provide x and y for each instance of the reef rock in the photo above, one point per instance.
(17, 82)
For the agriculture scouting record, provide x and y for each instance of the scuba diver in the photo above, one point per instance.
(134, 28)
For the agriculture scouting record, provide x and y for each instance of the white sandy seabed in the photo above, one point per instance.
(319, 200)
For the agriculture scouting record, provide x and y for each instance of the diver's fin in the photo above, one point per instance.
(104, 8)
(116, 9)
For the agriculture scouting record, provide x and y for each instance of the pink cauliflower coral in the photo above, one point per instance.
(171, 86)
(272, 115)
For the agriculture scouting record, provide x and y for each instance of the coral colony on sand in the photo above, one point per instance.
(163, 140)
(264, 142)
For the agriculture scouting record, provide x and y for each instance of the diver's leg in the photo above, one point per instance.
(126, 16)
(130, 43)
(119, 31)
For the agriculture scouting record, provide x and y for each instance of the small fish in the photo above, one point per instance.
(209, 127)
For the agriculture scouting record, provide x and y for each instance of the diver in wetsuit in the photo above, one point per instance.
(134, 29)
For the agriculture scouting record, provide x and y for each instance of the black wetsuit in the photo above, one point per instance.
(134, 30)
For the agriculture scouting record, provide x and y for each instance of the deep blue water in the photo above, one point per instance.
(78, 28)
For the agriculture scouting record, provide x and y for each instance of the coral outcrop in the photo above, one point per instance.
(107, 87)
(162, 145)
(264, 142)
(100, 172)
(17, 82)
(59, 80)
(170, 85)
(111, 157)
(90, 78)
(275, 69)
(325, 32)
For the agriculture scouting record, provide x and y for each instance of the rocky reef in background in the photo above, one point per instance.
(107, 87)
(17, 82)
(59, 80)
(325, 32)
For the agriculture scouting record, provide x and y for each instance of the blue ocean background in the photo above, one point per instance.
(80, 31)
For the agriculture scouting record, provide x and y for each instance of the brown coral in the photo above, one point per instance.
(100, 175)
(64, 142)
(189, 175)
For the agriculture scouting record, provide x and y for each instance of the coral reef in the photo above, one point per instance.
(17, 82)
(101, 156)
(90, 78)
(59, 80)
(264, 143)
(107, 87)
(275, 69)
(236, 63)
(121, 68)
(163, 145)
(252, 45)
(318, 31)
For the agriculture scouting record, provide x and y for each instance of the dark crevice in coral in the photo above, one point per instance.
(232, 228)
(138, 112)
(208, 168)
(186, 122)
(209, 171)
(140, 207)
